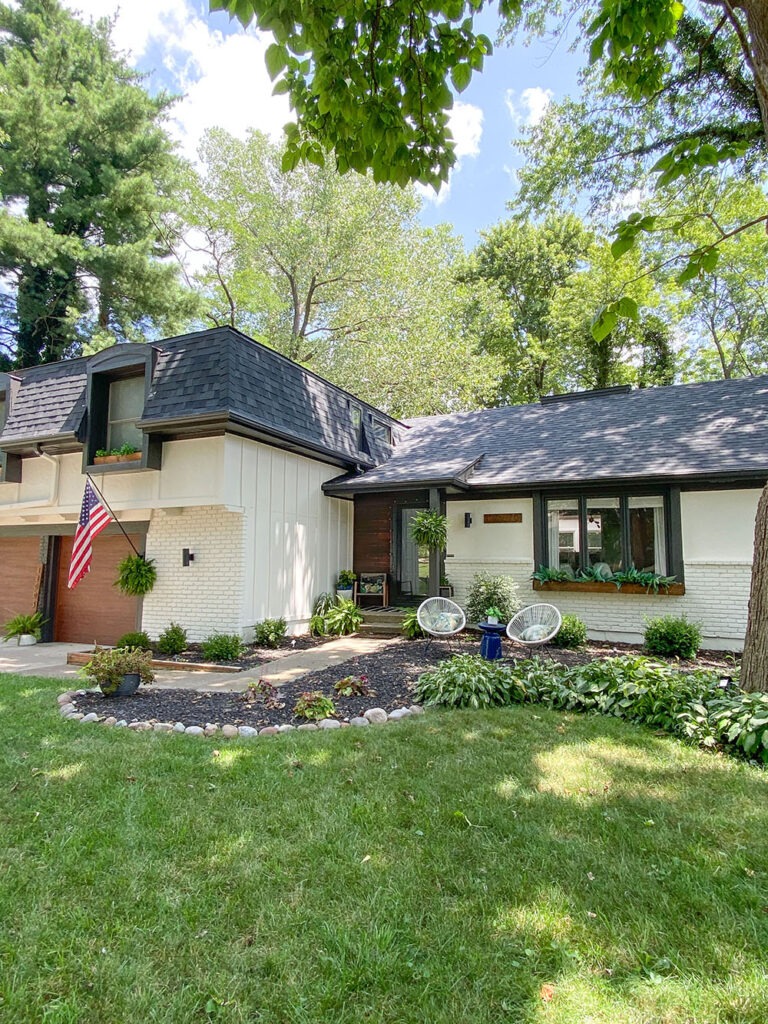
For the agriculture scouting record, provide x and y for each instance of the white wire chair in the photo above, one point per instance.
(535, 624)
(438, 617)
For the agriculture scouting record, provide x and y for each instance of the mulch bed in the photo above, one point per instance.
(392, 674)
(252, 655)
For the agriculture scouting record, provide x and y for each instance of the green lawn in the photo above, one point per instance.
(440, 870)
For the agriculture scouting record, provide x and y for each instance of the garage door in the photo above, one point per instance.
(95, 611)
(19, 573)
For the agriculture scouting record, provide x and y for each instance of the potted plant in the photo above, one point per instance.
(26, 629)
(118, 671)
(492, 614)
(429, 528)
(345, 584)
(125, 453)
(446, 587)
(136, 575)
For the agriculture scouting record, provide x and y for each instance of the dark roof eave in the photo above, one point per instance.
(360, 486)
(746, 476)
(225, 420)
(20, 445)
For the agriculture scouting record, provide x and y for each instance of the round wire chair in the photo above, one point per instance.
(438, 617)
(535, 624)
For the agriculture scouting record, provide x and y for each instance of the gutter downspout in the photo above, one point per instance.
(54, 496)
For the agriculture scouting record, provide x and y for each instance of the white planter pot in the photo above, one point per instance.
(492, 620)
(27, 640)
(345, 595)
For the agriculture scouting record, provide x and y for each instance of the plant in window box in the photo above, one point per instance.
(118, 671)
(136, 575)
(125, 453)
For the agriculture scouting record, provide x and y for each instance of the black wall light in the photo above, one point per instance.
(187, 556)
(467, 519)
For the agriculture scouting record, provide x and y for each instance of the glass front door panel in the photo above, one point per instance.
(412, 561)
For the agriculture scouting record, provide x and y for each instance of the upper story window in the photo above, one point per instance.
(356, 415)
(381, 431)
(619, 531)
(119, 379)
(126, 404)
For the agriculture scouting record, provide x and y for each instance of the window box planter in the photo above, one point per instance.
(100, 460)
(593, 587)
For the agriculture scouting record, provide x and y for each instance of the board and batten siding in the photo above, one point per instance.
(296, 539)
(717, 528)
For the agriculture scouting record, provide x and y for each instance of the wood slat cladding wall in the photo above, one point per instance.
(19, 564)
(95, 611)
(373, 533)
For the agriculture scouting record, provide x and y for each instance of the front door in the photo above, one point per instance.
(410, 562)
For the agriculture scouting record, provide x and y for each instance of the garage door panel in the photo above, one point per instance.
(20, 569)
(95, 611)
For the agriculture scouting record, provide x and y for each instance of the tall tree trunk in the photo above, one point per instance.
(754, 669)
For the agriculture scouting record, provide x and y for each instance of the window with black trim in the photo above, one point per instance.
(118, 383)
(613, 532)
(381, 430)
(10, 465)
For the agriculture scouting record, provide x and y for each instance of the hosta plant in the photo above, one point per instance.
(345, 617)
(469, 681)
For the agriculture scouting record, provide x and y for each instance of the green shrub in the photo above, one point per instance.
(486, 591)
(222, 647)
(314, 706)
(137, 639)
(269, 632)
(317, 626)
(429, 528)
(672, 638)
(345, 617)
(323, 603)
(172, 640)
(469, 681)
(572, 633)
(411, 626)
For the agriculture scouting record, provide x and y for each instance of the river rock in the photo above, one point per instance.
(376, 716)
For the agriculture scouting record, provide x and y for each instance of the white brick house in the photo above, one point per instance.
(235, 443)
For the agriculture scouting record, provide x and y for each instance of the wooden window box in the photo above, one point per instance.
(593, 587)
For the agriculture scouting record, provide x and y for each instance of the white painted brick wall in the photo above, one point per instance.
(716, 597)
(205, 597)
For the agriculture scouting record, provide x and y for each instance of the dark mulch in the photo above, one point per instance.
(252, 655)
(392, 674)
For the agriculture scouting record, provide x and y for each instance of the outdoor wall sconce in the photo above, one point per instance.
(467, 519)
(187, 556)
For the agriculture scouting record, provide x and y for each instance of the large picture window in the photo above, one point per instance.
(611, 533)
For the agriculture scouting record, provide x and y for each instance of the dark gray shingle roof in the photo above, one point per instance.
(715, 428)
(216, 373)
(50, 401)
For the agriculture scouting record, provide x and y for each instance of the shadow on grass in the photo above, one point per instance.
(517, 865)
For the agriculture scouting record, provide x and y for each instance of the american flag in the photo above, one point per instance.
(93, 518)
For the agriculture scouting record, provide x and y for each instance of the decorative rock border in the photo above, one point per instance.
(373, 716)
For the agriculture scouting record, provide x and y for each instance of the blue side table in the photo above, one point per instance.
(490, 646)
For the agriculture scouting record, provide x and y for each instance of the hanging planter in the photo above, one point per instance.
(136, 575)
(429, 528)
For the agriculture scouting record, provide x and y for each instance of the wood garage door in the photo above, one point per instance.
(19, 568)
(95, 611)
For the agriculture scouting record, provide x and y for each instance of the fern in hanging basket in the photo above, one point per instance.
(429, 528)
(136, 575)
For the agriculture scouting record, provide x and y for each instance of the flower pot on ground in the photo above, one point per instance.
(118, 671)
(345, 585)
(24, 628)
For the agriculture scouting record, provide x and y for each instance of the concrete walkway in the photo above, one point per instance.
(51, 660)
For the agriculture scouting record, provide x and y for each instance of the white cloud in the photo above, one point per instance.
(222, 76)
(530, 107)
(466, 124)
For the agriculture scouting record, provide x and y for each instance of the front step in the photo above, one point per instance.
(382, 623)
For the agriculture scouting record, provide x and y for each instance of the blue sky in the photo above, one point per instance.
(218, 68)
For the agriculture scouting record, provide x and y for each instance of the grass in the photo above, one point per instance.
(517, 865)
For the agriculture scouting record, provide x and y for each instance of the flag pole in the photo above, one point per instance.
(114, 517)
